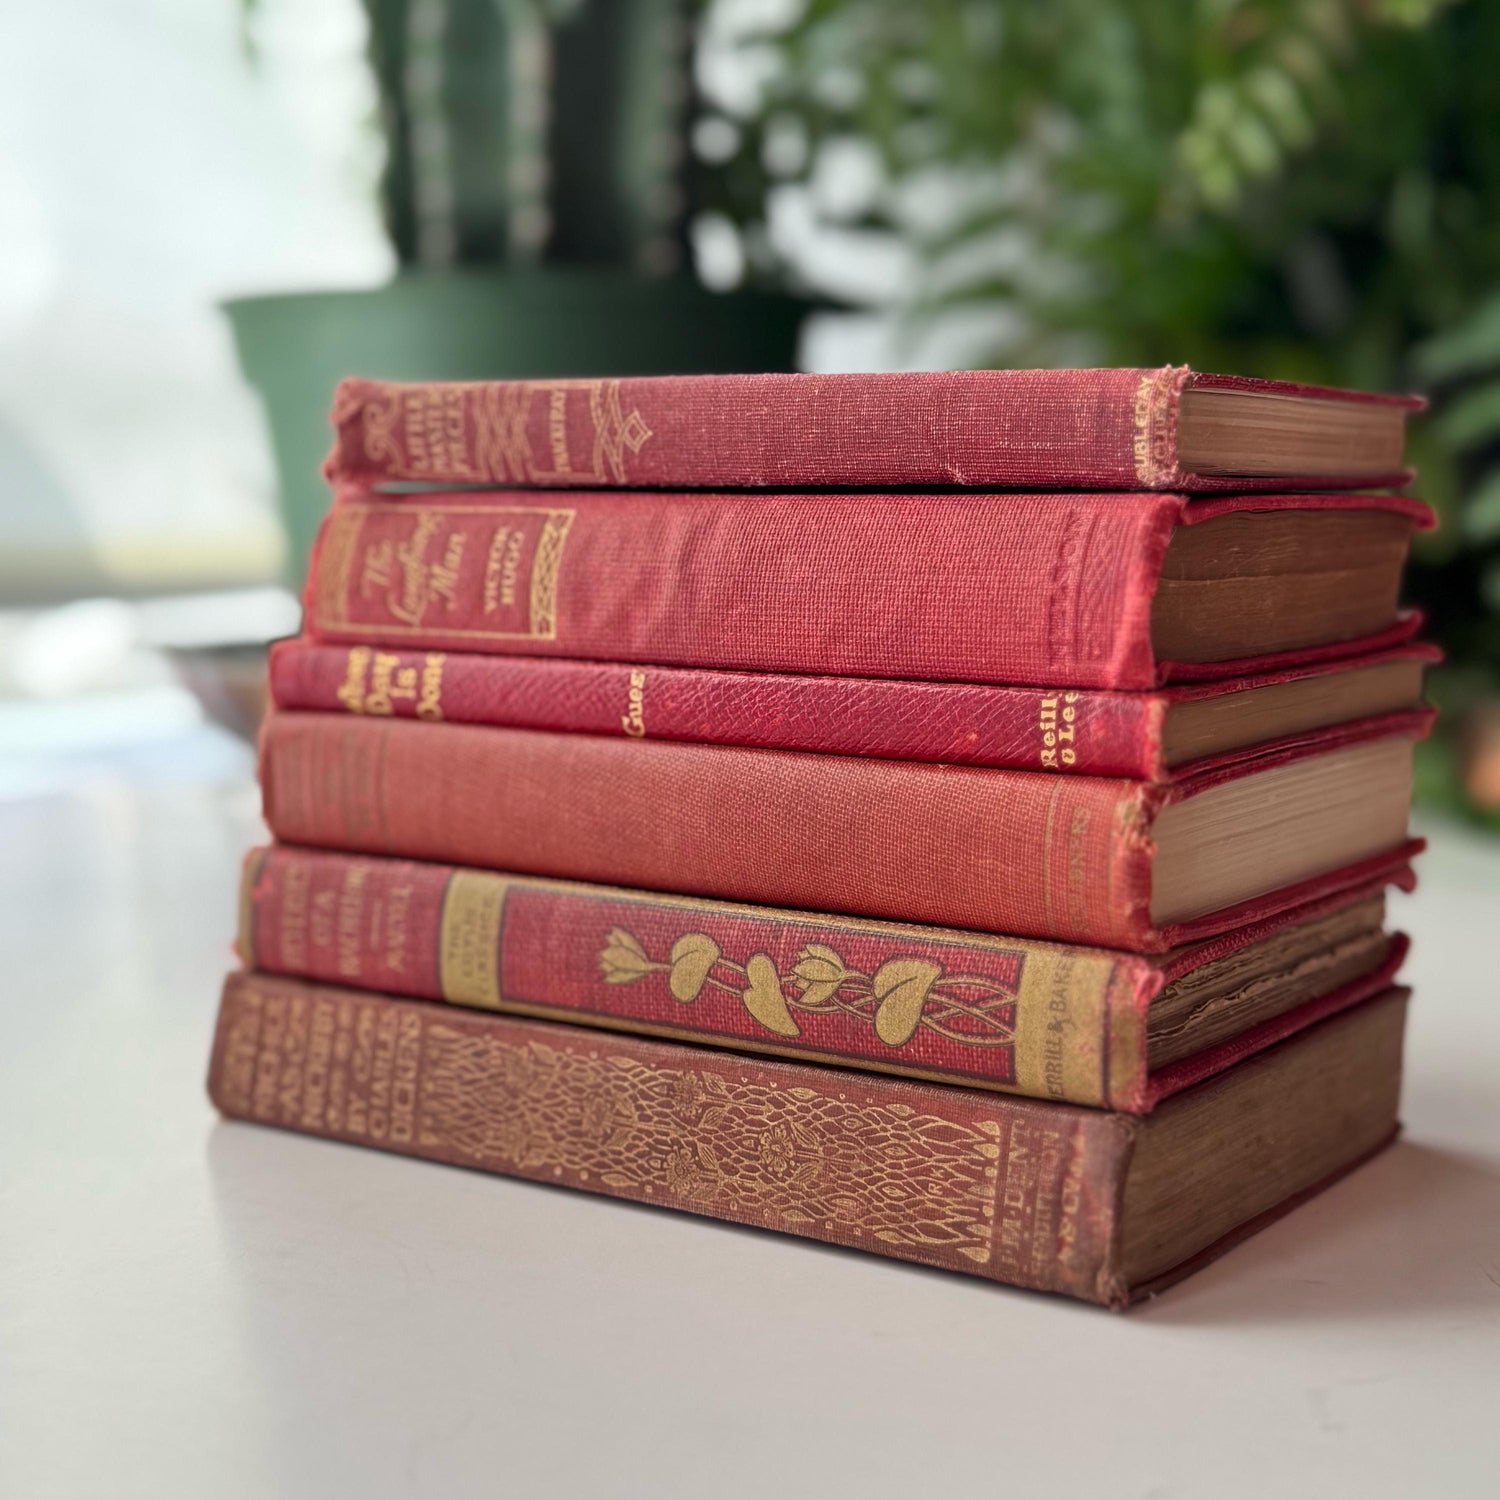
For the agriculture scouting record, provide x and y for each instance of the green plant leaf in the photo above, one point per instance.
(1472, 418)
(1469, 348)
(1481, 516)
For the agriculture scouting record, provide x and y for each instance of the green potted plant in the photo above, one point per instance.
(537, 190)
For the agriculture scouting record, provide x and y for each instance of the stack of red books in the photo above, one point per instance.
(948, 815)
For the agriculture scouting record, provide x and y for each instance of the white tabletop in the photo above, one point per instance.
(194, 1308)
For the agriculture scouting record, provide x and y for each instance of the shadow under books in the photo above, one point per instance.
(1415, 1232)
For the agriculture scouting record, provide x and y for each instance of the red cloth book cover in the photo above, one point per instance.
(1081, 731)
(1075, 429)
(1050, 590)
(1042, 1019)
(1025, 853)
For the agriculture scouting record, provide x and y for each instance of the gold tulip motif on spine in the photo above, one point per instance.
(902, 996)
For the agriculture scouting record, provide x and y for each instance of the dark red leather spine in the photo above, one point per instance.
(1012, 1189)
(1021, 1191)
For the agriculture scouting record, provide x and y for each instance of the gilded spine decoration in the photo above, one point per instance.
(514, 432)
(884, 1165)
(1155, 416)
(903, 995)
(1036, 1018)
(403, 570)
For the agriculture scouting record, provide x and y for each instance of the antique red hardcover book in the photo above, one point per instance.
(1119, 863)
(1158, 735)
(1167, 429)
(1052, 590)
(1085, 1025)
(1048, 1196)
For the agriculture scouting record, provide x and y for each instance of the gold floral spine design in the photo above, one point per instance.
(904, 995)
(910, 1171)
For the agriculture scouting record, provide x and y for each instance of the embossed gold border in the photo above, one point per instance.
(335, 562)
(387, 631)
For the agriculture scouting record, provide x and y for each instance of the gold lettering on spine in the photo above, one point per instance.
(409, 602)
(557, 432)
(502, 567)
(377, 424)
(241, 1046)
(405, 583)
(469, 939)
(405, 1070)
(1028, 1208)
(382, 1069)
(397, 927)
(338, 1077)
(390, 683)
(352, 691)
(351, 920)
(319, 1059)
(1155, 425)
(430, 704)
(633, 720)
(433, 430)
(293, 1058)
(1057, 718)
(1061, 1016)
(291, 936)
(321, 919)
(442, 576)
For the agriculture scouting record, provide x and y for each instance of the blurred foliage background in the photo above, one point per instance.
(1306, 189)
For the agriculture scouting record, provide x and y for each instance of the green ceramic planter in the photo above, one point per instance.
(466, 325)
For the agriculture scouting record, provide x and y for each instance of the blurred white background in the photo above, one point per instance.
(150, 166)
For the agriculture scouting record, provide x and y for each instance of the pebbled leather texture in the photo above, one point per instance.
(1073, 731)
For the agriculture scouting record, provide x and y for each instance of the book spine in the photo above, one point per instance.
(1065, 858)
(1015, 1190)
(1049, 729)
(1025, 1017)
(1035, 590)
(1085, 429)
